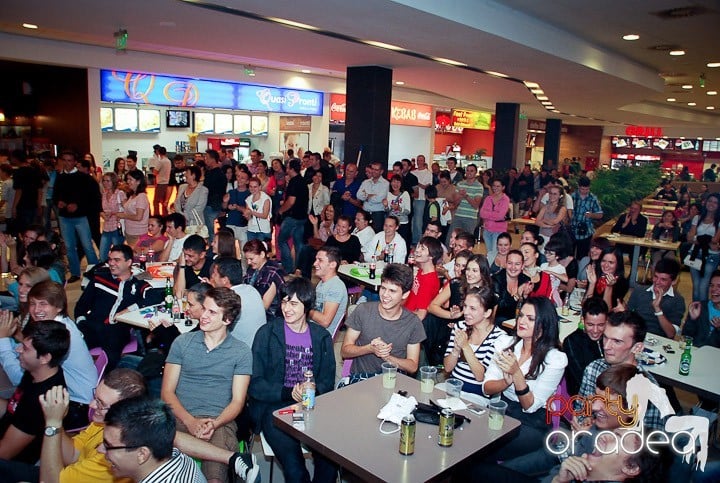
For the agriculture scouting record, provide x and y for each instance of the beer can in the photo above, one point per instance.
(407, 435)
(446, 427)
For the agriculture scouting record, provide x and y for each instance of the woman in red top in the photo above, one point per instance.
(542, 286)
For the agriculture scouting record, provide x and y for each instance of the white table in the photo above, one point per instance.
(373, 284)
(636, 243)
(141, 318)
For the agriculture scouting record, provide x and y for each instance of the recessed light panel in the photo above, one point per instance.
(631, 37)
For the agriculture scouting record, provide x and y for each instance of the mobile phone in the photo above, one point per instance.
(477, 410)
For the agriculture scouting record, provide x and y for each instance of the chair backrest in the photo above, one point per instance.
(563, 392)
(101, 363)
(347, 363)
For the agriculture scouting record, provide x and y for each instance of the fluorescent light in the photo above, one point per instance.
(531, 85)
(383, 45)
(631, 37)
(537, 91)
(449, 61)
(711, 93)
(30, 26)
(496, 74)
(306, 71)
(710, 108)
(292, 23)
(677, 52)
(671, 99)
(399, 83)
(687, 86)
(542, 98)
(692, 104)
(546, 103)
(713, 64)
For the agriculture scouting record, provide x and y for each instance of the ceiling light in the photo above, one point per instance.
(550, 107)
(449, 61)
(306, 71)
(399, 83)
(2, 116)
(631, 37)
(713, 64)
(671, 99)
(700, 138)
(30, 26)
(711, 93)
(531, 85)
(383, 45)
(687, 86)
(692, 104)
(537, 91)
(496, 74)
(677, 52)
(542, 98)
(710, 108)
(555, 111)
(546, 103)
(291, 23)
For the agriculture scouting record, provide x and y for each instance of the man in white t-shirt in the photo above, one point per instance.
(161, 168)
(331, 296)
(424, 177)
(175, 224)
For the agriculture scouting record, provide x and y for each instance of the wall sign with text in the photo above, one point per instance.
(141, 88)
(401, 113)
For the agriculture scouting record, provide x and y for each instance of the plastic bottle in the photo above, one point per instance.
(308, 393)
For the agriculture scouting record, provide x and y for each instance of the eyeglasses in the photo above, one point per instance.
(100, 405)
(110, 448)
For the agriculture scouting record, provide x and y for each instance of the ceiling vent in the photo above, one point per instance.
(681, 12)
(664, 47)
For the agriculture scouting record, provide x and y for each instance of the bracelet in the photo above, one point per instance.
(659, 313)
(522, 392)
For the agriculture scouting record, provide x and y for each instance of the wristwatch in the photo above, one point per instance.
(52, 430)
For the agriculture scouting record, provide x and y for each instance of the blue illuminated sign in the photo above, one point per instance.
(139, 88)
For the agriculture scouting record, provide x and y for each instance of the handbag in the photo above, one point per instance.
(695, 263)
(197, 229)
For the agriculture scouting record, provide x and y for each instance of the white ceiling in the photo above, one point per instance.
(572, 48)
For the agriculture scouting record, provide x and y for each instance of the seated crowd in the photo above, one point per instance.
(261, 322)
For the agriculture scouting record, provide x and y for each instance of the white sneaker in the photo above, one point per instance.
(246, 467)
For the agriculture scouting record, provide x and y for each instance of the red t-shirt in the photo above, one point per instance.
(425, 287)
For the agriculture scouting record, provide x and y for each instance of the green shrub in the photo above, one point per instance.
(616, 189)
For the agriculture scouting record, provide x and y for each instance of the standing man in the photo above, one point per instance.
(72, 191)
(424, 177)
(659, 305)
(216, 183)
(385, 331)
(585, 345)
(587, 209)
(221, 365)
(331, 296)
(255, 158)
(131, 161)
(161, 168)
(455, 174)
(329, 176)
(177, 173)
(344, 192)
(467, 202)
(295, 210)
(372, 192)
(111, 291)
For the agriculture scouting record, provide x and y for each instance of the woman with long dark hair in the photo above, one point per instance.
(511, 285)
(704, 235)
(606, 277)
(136, 209)
(528, 372)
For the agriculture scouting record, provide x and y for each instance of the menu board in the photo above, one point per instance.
(223, 123)
(259, 126)
(711, 145)
(126, 119)
(204, 122)
(242, 124)
(106, 119)
(149, 120)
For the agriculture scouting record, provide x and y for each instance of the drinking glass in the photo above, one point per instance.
(427, 378)
(496, 414)
(389, 375)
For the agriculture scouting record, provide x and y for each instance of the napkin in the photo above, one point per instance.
(454, 403)
(649, 358)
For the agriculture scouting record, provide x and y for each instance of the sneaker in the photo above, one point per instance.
(73, 279)
(246, 467)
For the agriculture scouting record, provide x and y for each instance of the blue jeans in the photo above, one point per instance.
(108, 239)
(701, 283)
(71, 229)
(418, 207)
(210, 215)
(257, 235)
(294, 229)
(490, 238)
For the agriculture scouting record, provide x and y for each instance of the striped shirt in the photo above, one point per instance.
(180, 468)
(465, 209)
(495, 341)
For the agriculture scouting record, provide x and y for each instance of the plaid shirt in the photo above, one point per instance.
(652, 418)
(262, 280)
(589, 204)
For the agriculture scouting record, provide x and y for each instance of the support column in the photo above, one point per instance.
(552, 143)
(507, 116)
(367, 119)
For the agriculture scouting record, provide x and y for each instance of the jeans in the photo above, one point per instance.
(418, 207)
(467, 224)
(490, 238)
(108, 239)
(71, 229)
(210, 214)
(10, 303)
(701, 283)
(294, 229)
(18, 471)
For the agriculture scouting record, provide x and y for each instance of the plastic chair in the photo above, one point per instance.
(101, 362)
(567, 414)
